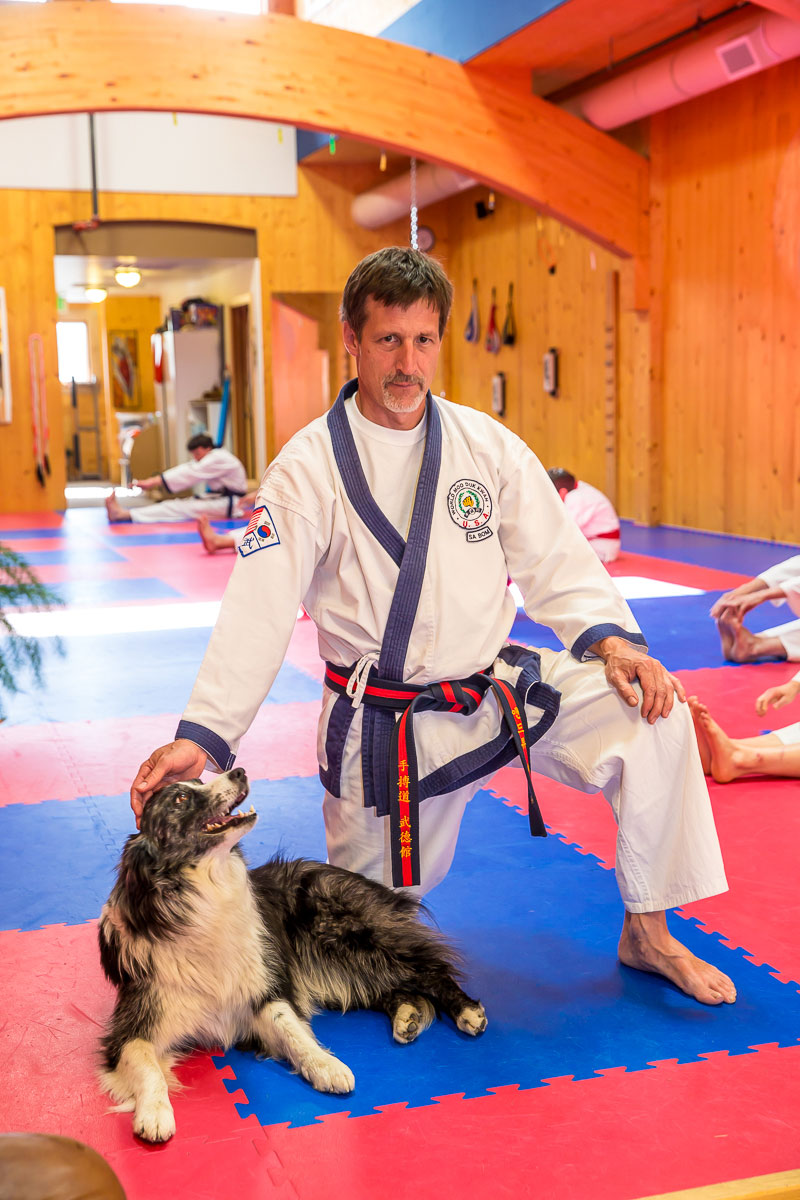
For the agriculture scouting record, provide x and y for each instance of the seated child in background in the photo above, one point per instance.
(593, 513)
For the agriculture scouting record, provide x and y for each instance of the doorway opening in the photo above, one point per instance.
(176, 353)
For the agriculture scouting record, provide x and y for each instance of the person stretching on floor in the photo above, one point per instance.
(725, 758)
(396, 520)
(217, 477)
(779, 584)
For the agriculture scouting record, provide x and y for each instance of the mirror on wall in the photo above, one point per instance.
(5, 374)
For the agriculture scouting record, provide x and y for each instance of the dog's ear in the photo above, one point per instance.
(145, 885)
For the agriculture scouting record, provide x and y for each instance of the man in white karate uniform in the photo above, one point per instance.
(216, 476)
(396, 520)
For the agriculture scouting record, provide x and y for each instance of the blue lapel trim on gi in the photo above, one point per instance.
(410, 556)
(352, 473)
(403, 612)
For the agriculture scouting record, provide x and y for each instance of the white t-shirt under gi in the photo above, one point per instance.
(333, 523)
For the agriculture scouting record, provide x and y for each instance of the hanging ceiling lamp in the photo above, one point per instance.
(127, 276)
(95, 295)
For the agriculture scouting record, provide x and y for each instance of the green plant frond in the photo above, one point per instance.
(21, 590)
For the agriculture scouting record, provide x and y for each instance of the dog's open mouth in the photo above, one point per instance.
(227, 818)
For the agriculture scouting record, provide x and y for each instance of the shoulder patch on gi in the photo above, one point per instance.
(260, 532)
(470, 506)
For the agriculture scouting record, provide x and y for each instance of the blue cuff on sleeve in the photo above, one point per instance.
(215, 747)
(587, 639)
(164, 484)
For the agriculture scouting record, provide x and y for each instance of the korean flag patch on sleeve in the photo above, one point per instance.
(260, 532)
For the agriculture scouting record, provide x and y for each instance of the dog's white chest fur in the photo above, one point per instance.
(208, 976)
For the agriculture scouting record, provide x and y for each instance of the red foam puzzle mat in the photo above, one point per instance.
(708, 579)
(58, 761)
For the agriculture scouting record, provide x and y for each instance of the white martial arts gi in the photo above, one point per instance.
(218, 478)
(487, 511)
(596, 517)
(786, 575)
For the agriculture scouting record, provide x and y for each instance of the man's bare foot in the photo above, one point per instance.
(647, 945)
(115, 511)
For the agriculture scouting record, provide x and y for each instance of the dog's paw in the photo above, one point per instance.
(327, 1074)
(155, 1123)
(411, 1019)
(472, 1020)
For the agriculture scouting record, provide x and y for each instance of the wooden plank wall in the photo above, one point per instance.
(560, 282)
(729, 165)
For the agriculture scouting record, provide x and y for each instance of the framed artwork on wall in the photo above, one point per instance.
(123, 358)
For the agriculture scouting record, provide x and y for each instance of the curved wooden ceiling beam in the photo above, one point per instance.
(82, 56)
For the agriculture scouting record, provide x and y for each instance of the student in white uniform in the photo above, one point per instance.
(776, 753)
(779, 584)
(218, 478)
(592, 512)
(396, 520)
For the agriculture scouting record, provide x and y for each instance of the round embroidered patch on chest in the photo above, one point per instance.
(469, 504)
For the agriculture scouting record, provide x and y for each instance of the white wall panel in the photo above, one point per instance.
(150, 152)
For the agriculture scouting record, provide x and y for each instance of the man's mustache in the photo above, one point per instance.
(404, 379)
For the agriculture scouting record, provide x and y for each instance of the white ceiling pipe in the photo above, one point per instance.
(718, 58)
(390, 201)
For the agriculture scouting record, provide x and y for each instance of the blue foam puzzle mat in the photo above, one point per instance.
(91, 593)
(74, 554)
(10, 535)
(745, 556)
(155, 539)
(538, 924)
(77, 844)
(78, 687)
(678, 629)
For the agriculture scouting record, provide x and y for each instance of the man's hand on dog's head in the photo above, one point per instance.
(177, 760)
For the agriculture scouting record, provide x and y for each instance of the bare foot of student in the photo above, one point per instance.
(212, 540)
(728, 761)
(647, 945)
(700, 733)
(739, 645)
(115, 511)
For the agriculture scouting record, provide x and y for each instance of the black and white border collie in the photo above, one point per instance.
(205, 952)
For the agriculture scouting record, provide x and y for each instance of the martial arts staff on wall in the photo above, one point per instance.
(396, 520)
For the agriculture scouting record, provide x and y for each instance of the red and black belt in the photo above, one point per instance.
(457, 696)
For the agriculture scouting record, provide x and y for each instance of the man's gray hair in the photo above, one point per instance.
(396, 276)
